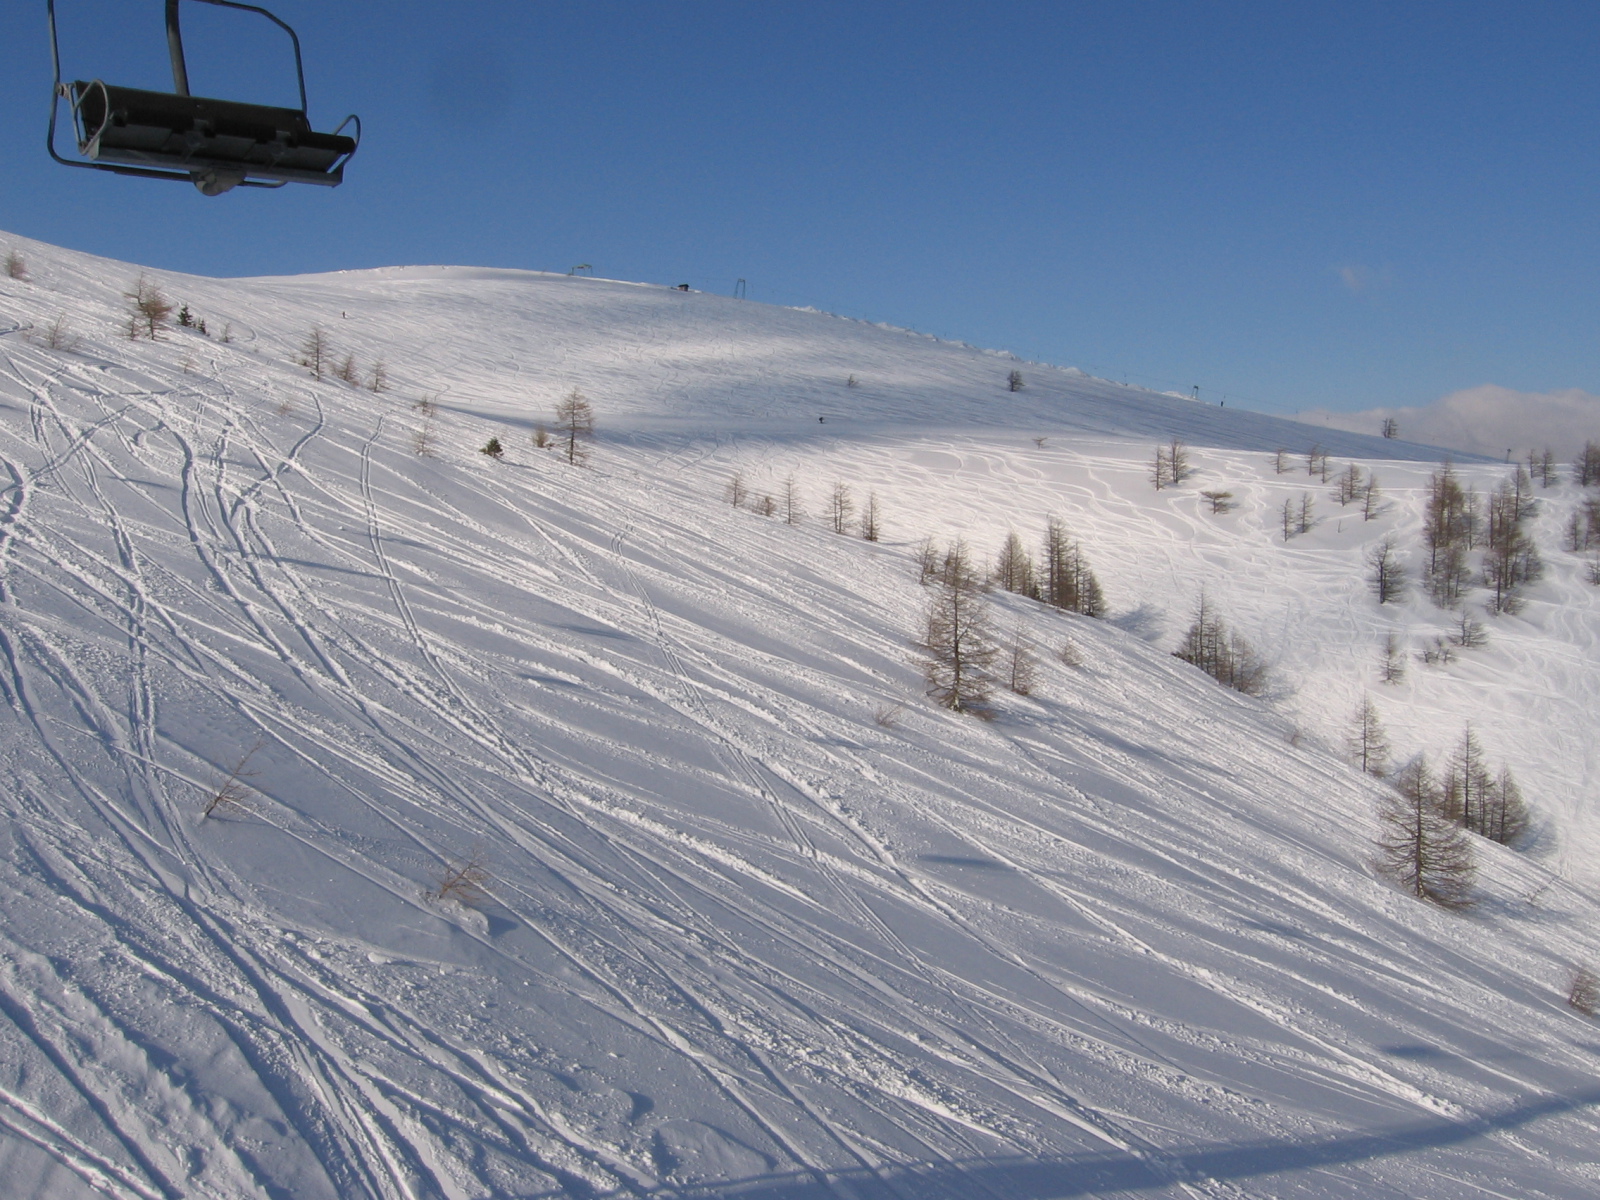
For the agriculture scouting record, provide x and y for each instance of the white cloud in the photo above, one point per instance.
(1355, 277)
(1488, 419)
(1360, 278)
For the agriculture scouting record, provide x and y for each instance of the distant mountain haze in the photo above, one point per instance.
(1487, 419)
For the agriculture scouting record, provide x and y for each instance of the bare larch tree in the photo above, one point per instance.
(841, 507)
(152, 311)
(314, 352)
(1366, 742)
(575, 423)
(1220, 653)
(790, 500)
(1388, 573)
(1068, 582)
(872, 518)
(1013, 570)
(1419, 846)
(957, 645)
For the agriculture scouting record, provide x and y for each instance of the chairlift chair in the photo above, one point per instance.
(215, 144)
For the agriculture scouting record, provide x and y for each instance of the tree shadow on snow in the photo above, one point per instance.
(1097, 1174)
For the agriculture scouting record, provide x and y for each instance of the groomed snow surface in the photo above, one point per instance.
(759, 921)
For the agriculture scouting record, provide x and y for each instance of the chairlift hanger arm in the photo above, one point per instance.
(180, 73)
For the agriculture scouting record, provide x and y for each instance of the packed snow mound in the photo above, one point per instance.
(573, 832)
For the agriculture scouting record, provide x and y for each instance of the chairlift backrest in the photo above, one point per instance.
(216, 144)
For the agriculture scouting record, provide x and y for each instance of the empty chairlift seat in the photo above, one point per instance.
(216, 144)
(217, 139)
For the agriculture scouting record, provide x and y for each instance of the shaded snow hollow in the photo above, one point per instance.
(759, 921)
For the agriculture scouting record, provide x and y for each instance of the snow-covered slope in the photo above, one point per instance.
(759, 921)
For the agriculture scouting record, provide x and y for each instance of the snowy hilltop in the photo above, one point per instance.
(385, 817)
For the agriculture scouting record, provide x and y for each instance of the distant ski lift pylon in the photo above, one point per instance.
(215, 144)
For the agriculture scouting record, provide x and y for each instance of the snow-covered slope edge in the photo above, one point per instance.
(760, 922)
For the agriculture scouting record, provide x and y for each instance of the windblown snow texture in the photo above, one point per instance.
(760, 922)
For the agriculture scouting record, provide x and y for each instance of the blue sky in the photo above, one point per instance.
(1342, 206)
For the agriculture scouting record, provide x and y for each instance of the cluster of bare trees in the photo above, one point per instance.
(1455, 523)
(1542, 466)
(1510, 558)
(1586, 469)
(1354, 485)
(1583, 527)
(152, 311)
(1440, 650)
(16, 267)
(1298, 516)
(1450, 525)
(317, 356)
(963, 659)
(1222, 653)
(1419, 847)
(840, 506)
(1062, 578)
(1425, 819)
(841, 511)
(1350, 486)
(1480, 801)
(1171, 465)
